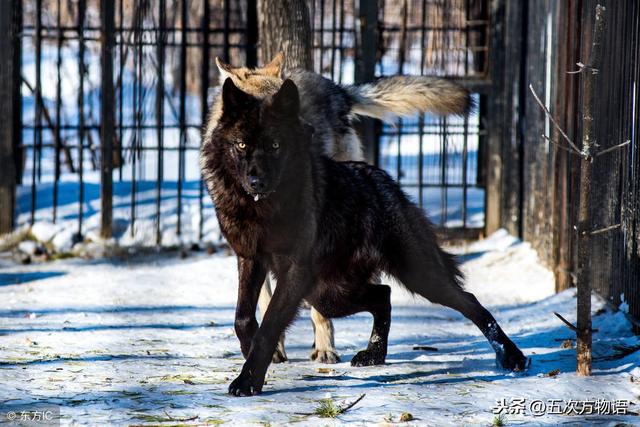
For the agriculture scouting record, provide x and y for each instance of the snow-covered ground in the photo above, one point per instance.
(150, 340)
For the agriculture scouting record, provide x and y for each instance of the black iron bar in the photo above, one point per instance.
(183, 111)
(423, 40)
(107, 118)
(58, 143)
(204, 85)
(333, 38)
(38, 101)
(136, 118)
(160, 115)
(121, 94)
(321, 45)
(225, 30)
(81, 118)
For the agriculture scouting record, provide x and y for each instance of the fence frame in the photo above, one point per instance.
(10, 122)
(368, 28)
(107, 116)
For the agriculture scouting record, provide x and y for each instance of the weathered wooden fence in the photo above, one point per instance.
(548, 40)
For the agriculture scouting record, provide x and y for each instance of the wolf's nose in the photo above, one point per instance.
(256, 184)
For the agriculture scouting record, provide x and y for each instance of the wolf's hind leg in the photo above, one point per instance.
(324, 350)
(508, 355)
(279, 355)
(377, 301)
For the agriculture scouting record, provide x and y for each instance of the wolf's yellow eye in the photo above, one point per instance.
(241, 145)
(275, 145)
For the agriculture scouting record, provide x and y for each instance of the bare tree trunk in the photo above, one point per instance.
(285, 27)
(585, 226)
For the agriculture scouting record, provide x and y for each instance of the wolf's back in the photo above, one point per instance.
(407, 95)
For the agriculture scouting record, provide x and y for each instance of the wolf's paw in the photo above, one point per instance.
(513, 360)
(244, 386)
(325, 356)
(279, 356)
(368, 358)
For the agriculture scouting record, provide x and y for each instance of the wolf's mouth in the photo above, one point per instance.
(257, 196)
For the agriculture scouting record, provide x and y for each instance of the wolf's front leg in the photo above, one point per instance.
(324, 350)
(251, 274)
(282, 310)
(279, 355)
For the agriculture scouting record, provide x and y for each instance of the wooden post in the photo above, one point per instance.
(496, 114)
(107, 116)
(365, 70)
(585, 226)
(9, 109)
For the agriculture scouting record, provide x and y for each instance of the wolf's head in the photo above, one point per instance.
(256, 137)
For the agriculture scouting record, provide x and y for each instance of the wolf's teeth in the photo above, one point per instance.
(256, 197)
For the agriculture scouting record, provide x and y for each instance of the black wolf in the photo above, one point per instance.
(331, 108)
(324, 229)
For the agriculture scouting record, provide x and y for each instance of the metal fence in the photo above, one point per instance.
(156, 75)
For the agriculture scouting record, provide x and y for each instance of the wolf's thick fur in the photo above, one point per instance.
(331, 109)
(324, 228)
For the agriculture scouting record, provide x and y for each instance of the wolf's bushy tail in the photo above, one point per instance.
(406, 95)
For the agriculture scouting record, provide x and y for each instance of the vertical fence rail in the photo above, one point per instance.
(9, 109)
(58, 141)
(183, 110)
(160, 53)
(365, 68)
(81, 114)
(107, 118)
(37, 128)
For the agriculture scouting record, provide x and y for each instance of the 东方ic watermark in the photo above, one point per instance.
(30, 416)
(540, 407)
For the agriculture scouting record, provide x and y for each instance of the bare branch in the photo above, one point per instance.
(352, 404)
(566, 322)
(569, 324)
(604, 230)
(557, 126)
(557, 144)
(615, 147)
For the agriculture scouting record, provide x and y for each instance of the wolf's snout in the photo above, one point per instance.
(257, 184)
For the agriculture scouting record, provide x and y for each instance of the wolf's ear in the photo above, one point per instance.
(226, 71)
(232, 97)
(287, 101)
(274, 68)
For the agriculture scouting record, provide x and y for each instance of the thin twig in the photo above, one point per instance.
(566, 322)
(351, 405)
(605, 229)
(615, 147)
(569, 324)
(341, 410)
(424, 347)
(583, 67)
(557, 144)
(179, 419)
(557, 126)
